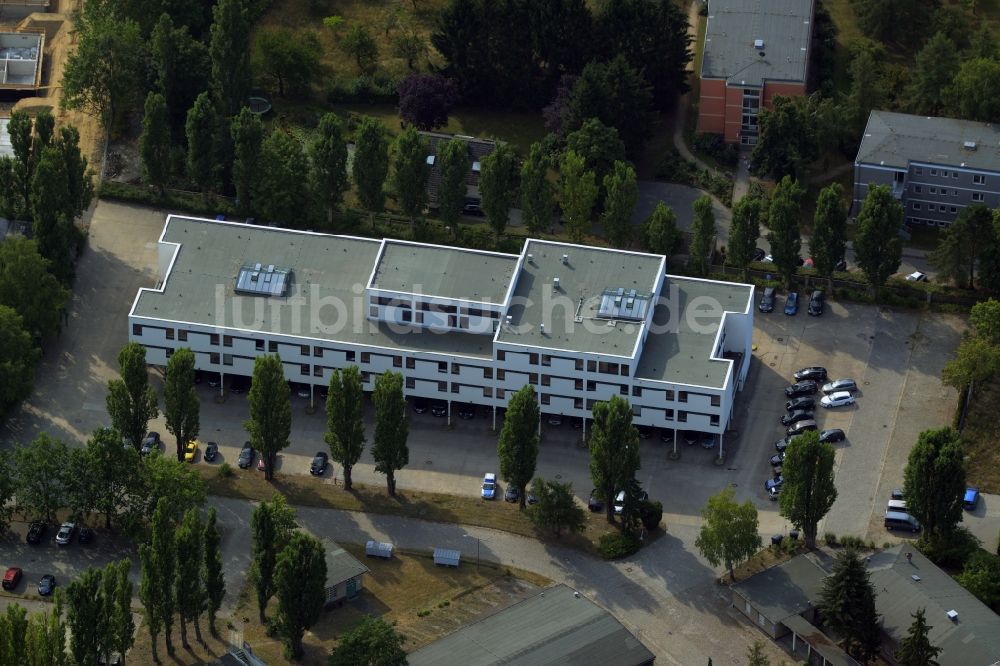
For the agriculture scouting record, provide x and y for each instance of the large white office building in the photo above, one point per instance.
(579, 323)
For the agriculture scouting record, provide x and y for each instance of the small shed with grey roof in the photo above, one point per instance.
(344, 574)
(558, 626)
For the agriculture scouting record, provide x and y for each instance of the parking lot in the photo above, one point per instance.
(895, 357)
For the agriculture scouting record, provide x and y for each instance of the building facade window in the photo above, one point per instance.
(259, 345)
(716, 401)
(411, 363)
(533, 358)
(170, 333)
(349, 356)
(487, 373)
(682, 396)
(918, 188)
(304, 369)
(501, 355)
(545, 399)
(978, 179)
(272, 346)
(304, 350)
(213, 339)
(682, 417)
(591, 366)
(318, 352)
(227, 341)
(213, 358)
(318, 371)
(227, 359)
(136, 329)
(366, 357)
(397, 361)
(977, 196)
(442, 366)
(488, 392)
(546, 359)
(411, 383)
(637, 391)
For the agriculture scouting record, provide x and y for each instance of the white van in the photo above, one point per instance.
(897, 505)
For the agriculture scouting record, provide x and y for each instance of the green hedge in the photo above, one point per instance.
(616, 545)
(188, 202)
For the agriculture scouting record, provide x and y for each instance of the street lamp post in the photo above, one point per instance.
(470, 536)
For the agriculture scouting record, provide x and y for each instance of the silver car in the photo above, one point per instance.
(840, 385)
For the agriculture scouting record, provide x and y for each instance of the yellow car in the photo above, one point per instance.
(191, 450)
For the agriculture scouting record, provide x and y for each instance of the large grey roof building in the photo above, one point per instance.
(935, 167)
(580, 324)
(555, 628)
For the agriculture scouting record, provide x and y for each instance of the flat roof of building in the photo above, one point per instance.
(748, 42)
(787, 589)
(444, 272)
(685, 328)
(570, 313)
(896, 139)
(326, 300)
(558, 626)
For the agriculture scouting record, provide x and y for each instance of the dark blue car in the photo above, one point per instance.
(792, 303)
(971, 499)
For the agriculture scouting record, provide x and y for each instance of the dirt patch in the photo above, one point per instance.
(981, 433)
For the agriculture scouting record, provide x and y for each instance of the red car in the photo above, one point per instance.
(11, 578)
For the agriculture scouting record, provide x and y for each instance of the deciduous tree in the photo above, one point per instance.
(614, 449)
(7, 487)
(283, 185)
(372, 642)
(702, 236)
(329, 163)
(981, 576)
(808, 491)
(599, 146)
(154, 142)
(934, 482)
(788, 140)
(164, 477)
(729, 531)
(39, 483)
(85, 617)
(271, 525)
(498, 185)
(18, 355)
(556, 508)
(975, 92)
(614, 93)
(163, 562)
(621, 194)
(454, 167)
(961, 244)
(931, 76)
(180, 66)
(301, 565)
(877, 245)
(103, 76)
(202, 131)
(247, 133)
(389, 449)
(756, 656)
(425, 100)
(536, 190)
(577, 195)
(785, 236)
(345, 428)
(189, 589)
(371, 165)
(181, 405)
(112, 473)
(976, 361)
(866, 91)
(409, 45)
(410, 172)
(744, 230)
(229, 51)
(359, 43)
(291, 60)
(985, 320)
(517, 447)
(131, 401)
(118, 607)
(27, 286)
(45, 641)
(660, 230)
(215, 581)
(829, 239)
(270, 422)
(847, 601)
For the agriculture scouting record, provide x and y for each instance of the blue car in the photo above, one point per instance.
(971, 499)
(792, 303)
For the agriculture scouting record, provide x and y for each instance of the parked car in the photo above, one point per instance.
(832, 436)
(897, 520)
(35, 532)
(916, 276)
(86, 535)
(555, 419)
(759, 254)
(65, 534)
(805, 402)
(838, 399)
(302, 390)
(576, 422)
(319, 463)
(838, 385)
(774, 482)
(595, 502)
(150, 443)
(792, 303)
(800, 427)
(214, 380)
(439, 408)
(512, 494)
(767, 300)
(796, 416)
(530, 499)
(211, 451)
(807, 387)
(896, 494)
(620, 501)
(12, 577)
(841, 265)
(47, 585)
(191, 451)
(421, 405)
(971, 499)
(783, 443)
(489, 490)
(645, 432)
(246, 456)
(814, 372)
(816, 302)
(777, 459)
(667, 435)
(466, 411)
(239, 385)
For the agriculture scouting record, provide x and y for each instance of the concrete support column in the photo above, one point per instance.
(720, 443)
(583, 431)
(494, 417)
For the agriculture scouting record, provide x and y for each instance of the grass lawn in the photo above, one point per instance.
(425, 601)
(981, 434)
(305, 491)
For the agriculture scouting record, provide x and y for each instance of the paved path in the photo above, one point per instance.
(653, 594)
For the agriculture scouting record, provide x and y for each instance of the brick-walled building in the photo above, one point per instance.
(753, 51)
